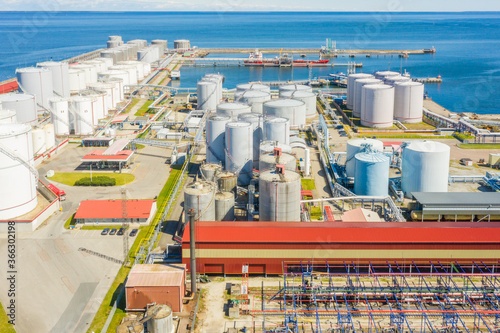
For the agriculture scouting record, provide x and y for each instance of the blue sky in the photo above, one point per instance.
(252, 5)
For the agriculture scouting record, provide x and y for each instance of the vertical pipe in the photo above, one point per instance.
(192, 243)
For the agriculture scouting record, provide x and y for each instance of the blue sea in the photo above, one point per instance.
(467, 44)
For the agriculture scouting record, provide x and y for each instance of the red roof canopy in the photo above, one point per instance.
(98, 155)
(112, 209)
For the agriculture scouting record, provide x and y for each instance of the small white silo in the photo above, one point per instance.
(209, 171)
(358, 89)
(38, 135)
(81, 111)
(90, 72)
(256, 120)
(207, 96)
(161, 320)
(77, 80)
(50, 138)
(372, 174)
(224, 206)
(215, 134)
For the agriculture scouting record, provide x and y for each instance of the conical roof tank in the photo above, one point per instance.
(372, 174)
(233, 109)
(254, 98)
(293, 110)
(355, 146)
(253, 86)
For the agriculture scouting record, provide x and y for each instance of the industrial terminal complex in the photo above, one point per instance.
(341, 204)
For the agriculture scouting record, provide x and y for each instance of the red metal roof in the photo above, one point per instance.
(98, 155)
(112, 209)
(156, 275)
(347, 232)
(8, 87)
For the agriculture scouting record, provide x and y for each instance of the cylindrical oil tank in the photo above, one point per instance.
(254, 98)
(239, 150)
(146, 67)
(141, 43)
(130, 69)
(149, 54)
(18, 194)
(382, 75)
(107, 61)
(98, 97)
(267, 147)
(219, 78)
(161, 43)
(182, 44)
(356, 146)
(130, 326)
(38, 135)
(233, 109)
(253, 86)
(269, 162)
(128, 51)
(351, 79)
(279, 196)
(294, 87)
(60, 115)
(276, 129)
(377, 106)
(99, 65)
(50, 138)
(358, 89)
(36, 82)
(115, 37)
(60, 76)
(82, 114)
(110, 98)
(224, 206)
(207, 95)
(112, 44)
(372, 174)
(77, 80)
(139, 67)
(215, 134)
(90, 72)
(409, 102)
(392, 80)
(200, 196)
(113, 54)
(307, 97)
(118, 92)
(209, 170)
(8, 116)
(121, 74)
(256, 120)
(23, 104)
(161, 320)
(292, 109)
(425, 167)
(226, 181)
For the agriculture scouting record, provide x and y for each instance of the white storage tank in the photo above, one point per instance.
(90, 72)
(307, 97)
(279, 196)
(18, 194)
(182, 44)
(200, 196)
(382, 75)
(377, 106)
(77, 80)
(219, 79)
(207, 95)
(209, 171)
(267, 147)
(60, 115)
(38, 135)
(161, 320)
(276, 129)
(139, 68)
(7, 116)
(130, 69)
(372, 174)
(50, 138)
(99, 109)
(118, 93)
(351, 79)
(113, 54)
(358, 89)
(112, 95)
(254, 98)
(253, 86)
(99, 65)
(392, 80)
(409, 102)
(256, 120)
(60, 76)
(36, 82)
(120, 74)
(292, 109)
(294, 87)
(150, 54)
(107, 61)
(356, 146)
(113, 43)
(239, 150)
(233, 109)
(215, 134)
(23, 104)
(140, 43)
(425, 167)
(83, 115)
(269, 161)
(224, 206)
(161, 43)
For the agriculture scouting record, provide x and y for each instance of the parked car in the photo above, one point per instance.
(105, 231)
(112, 232)
(133, 232)
(120, 231)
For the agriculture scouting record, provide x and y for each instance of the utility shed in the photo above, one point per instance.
(155, 283)
(484, 206)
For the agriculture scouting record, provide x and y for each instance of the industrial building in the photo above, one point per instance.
(115, 211)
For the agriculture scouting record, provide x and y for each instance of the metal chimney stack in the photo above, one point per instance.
(192, 255)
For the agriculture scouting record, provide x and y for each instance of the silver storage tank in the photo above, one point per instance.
(7, 116)
(23, 104)
(276, 129)
(372, 174)
(209, 170)
(253, 86)
(226, 182)
(351, 79)
(200, 196)
(239, 150)
(267, 147)
(382, 75)
(98, 104)
(36, 82)
(18, 194)
(161, 320)
(139, 68)
(60, 115)
(149, 54)
(269, 161)
(233, 109)
(224, 206)
(358, 89)
(409, 102)
(110, 54)
(60, 76)
(292, 109)
(112, 94)
(294, 87)
(307, 97)
(130, 69)
(182, 44)
(140, 43)
(279, 196)
(207, 95)
(356, 146)
(76, 80)
(254, 98)
(120, 74)
(107, 61)
(99, 64)
(219, 79)
(256, 120)
(215, 133)
(118, 94)
(393, 80)
(161, 43)
(425, 167)
(377, 106)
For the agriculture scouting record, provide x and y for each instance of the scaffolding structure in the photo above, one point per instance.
(382, 296)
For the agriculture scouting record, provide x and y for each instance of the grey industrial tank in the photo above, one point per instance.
(269, 161)
(215, 133)
(224, 206)
(239, 150)
(307, 97)
(276, 129)
(254, 98)
(200, 196)
(279, 196)
(256, 121)
(233, 109)
(293, 110)
(226, 182)
(161, 320)
(209, 170)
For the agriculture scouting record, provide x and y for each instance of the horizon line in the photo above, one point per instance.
(248, 11)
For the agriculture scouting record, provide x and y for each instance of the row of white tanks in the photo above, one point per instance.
(379, 99)
(424, 167)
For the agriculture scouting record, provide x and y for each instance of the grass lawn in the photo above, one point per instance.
(5, 327)
(479, 146)
(316, 213)
(70, 178)
(132, 104)
(144, 108)
(139, 146)
(308, 184)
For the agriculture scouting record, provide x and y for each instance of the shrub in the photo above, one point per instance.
(96, 181)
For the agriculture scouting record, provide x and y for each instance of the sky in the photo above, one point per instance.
(249, 5)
